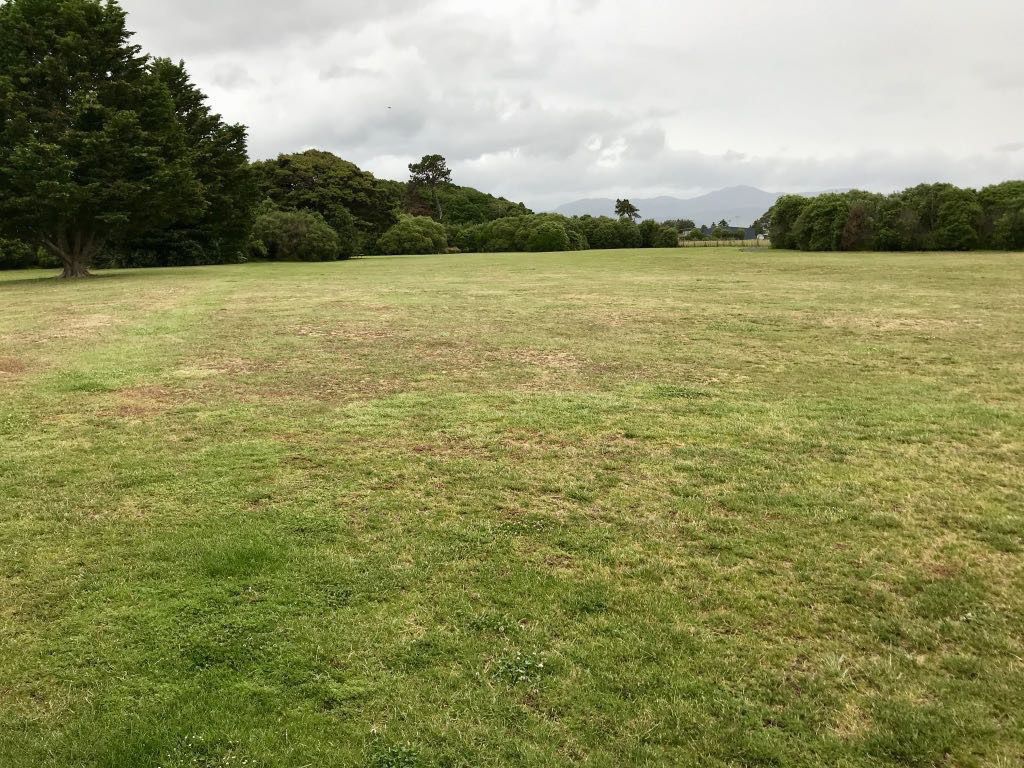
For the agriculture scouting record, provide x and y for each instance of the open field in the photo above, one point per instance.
(701, 508)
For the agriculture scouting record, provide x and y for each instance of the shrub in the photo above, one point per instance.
(15, 254)
(548, 236)
(821, 224)
(655, 235)
(610, 233)
(783, 218)
(414, 235)
(577, 240)
(530, 232)
(666, 237)
(294, 236)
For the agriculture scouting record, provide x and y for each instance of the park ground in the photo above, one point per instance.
(688, 508)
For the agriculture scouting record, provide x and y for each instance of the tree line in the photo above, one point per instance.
(109, 157)
(928, 217)
(112, 158)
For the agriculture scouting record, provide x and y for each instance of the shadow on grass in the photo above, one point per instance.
(33, 277)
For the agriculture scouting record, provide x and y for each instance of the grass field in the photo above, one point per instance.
(702, 508)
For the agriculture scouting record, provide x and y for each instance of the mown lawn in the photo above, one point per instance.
(679, 508)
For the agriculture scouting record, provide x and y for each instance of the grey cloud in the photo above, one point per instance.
(550, 100)
(232, 76)
(1013, 146)
(204, 26)
(341, 72)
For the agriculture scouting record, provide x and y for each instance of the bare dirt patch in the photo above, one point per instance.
(365, 332)
(12, 366)
(80, 327)
(884, 323)
(143, 402)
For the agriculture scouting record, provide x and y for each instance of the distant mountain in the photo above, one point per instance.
(740, 206)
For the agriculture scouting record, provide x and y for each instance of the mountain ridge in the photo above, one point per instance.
(739, 205)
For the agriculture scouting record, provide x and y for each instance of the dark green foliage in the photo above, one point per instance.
(760, 226)
(667, 237)
(859, 229)
(219, 232)
(783, 217)
(533, 232)
(554, 232)
(605, 233)
(928, 217)
(682, 226)
(655, 235)
(91, 150)
(431, 174)
(16, 254)
(463, 206)
(625, 210)
(352, 201)
(295, 236)
(549, 236)
(577, 240)
(725, 232)
(958, 222)
(414, 235)
(821, 223)
(1003, 224)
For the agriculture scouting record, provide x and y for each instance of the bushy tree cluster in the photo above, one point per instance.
(280, 235)
(929, 217)
(655, 235)
(554, 232)
(682, 226)
(606, 233)
(16, 254)
(533, 232)
(218, 231)
(111, 158)
(414, 235)
(104, 149)
(465, 205)
(353, 202)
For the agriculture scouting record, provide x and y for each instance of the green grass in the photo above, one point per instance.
(701, 508)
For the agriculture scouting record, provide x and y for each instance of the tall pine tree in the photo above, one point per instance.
(101, 147)
(218, 232)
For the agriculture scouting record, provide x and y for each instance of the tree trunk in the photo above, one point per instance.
(75, 253)
(74, 266)
(437, 202)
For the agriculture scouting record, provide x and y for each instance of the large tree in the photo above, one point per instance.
(782, 219)
(218, 232)
(624, 209)
(352, 201)
(90, 147)
(431, 173)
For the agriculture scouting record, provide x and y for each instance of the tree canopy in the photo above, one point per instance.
(352, 201)
(280, 235)
(218, 232)
(431, 173)
(624, 209)
(928, 217)
(91, 148)
(414, 235)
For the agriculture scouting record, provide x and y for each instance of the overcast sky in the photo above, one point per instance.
(547, 101)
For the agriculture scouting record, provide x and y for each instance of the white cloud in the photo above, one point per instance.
(548, 100)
